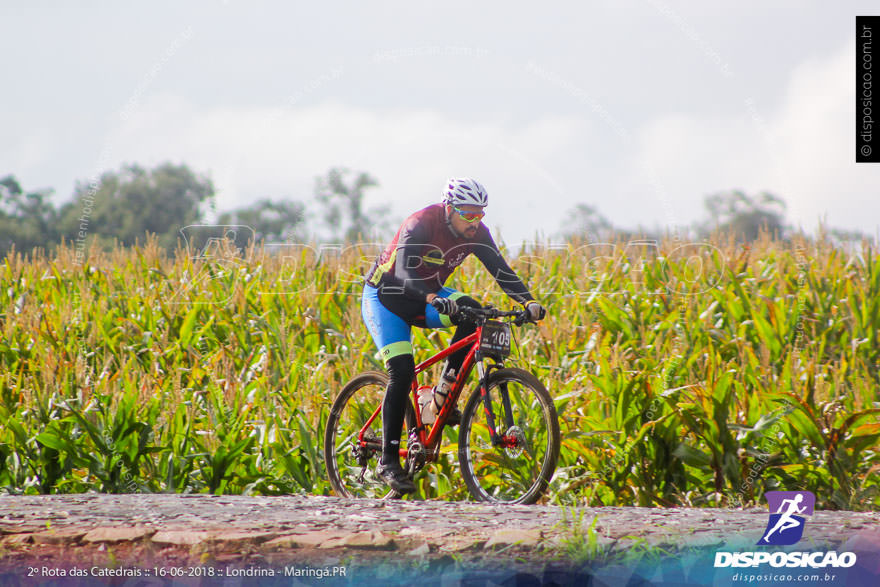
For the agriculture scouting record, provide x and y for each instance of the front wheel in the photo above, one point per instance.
(519, 470)
(351, 463)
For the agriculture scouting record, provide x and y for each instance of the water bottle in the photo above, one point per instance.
(441, 391)
(426, 394)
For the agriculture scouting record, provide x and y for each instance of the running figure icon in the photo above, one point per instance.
(786, 521)
(786, 526)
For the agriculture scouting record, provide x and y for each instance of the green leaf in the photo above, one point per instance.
(52, 440)
(188, 324)
(692, 456)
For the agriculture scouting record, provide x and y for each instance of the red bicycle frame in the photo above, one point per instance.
(429, 441)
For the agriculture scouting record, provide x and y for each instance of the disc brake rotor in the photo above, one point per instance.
(519, 441)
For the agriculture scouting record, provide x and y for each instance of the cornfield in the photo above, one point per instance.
(685, 374)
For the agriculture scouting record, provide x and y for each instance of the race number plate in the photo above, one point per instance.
(495, 339)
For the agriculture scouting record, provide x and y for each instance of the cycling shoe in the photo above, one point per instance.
(394, 475)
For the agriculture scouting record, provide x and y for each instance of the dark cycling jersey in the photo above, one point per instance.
(424, 253)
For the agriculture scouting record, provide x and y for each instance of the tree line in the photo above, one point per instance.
(736, 214)
(123, 206)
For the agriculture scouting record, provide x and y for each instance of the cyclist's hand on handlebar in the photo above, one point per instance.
(535, 310)
(444, 306)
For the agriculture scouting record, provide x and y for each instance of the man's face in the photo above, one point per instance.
(459, 216)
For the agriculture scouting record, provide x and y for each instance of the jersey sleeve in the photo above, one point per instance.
(489, 255)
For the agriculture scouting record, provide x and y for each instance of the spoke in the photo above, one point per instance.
(513, 471)
(351, 477)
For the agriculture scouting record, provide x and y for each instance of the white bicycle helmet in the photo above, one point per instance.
(463, 191)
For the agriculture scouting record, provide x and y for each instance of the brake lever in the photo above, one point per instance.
(467, 313)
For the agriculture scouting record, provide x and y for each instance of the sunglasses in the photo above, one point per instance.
(469, 216)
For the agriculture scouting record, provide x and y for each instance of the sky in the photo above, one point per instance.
(639, 108)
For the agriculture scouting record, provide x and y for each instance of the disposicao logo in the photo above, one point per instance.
(787, 511)
(786, 527)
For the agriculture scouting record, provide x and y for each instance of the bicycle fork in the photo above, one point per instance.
(503, 440)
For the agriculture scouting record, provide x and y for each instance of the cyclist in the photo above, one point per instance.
(405, 288)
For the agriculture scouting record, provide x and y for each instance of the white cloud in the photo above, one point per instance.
(814, 160)
(252, 153)
(26, 156)
(802, 151)
(683, 158)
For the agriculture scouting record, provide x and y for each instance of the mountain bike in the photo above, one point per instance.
(508, 438)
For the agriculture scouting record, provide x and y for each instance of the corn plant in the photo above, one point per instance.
(684, 373)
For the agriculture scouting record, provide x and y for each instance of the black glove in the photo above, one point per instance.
(536, 311)
(444, 306)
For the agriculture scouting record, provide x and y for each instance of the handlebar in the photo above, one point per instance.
(481, 315)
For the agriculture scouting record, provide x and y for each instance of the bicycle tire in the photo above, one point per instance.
(510, 475)
(351, 409)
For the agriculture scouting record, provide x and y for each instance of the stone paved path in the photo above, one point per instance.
(180, 529)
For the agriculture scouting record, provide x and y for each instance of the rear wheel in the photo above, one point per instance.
(520, 469)
(351, 465)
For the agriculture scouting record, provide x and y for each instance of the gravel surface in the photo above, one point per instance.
(201, 531)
